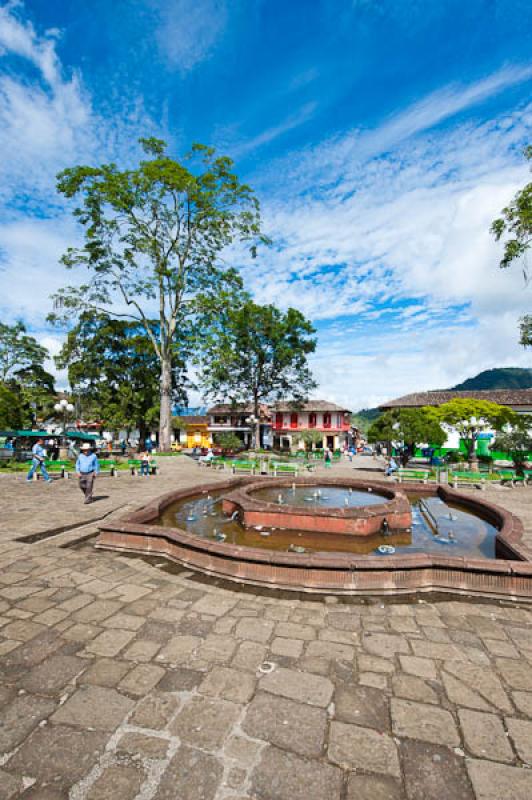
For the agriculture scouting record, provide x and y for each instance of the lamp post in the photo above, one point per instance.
(255, 436)
(64, 408)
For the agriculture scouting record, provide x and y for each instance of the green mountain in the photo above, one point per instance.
(365, 417)
(501, 378)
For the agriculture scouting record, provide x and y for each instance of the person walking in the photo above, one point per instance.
(87, 467)
(37, 461)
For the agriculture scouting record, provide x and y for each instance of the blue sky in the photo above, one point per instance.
(381, 137)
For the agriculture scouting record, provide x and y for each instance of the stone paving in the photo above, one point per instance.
(123, 678)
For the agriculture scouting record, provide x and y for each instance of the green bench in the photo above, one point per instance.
(244, 467)
(511, 476)
(479, 479)
(108, 465)
(59, 467)
(281, 468)
(404, 474)
(134, 466)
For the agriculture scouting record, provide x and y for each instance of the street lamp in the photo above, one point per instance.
(64, 408)
(252, 421)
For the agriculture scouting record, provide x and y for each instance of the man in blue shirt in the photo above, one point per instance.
(37, 462)
(87, 467)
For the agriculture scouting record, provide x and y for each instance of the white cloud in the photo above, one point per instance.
(189, 30)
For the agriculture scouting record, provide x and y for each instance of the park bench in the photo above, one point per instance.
(244, 467)
(510, 476)
(59, 467)
(280, 468)
(134, 466)
(108, 465)
(418, 475)
(527, 475)
(479, 479)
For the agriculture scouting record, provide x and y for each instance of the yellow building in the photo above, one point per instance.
(196, 432)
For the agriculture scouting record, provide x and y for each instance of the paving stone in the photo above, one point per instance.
(385, 644)
(180, 680)
(7, 693)
(229, 684)
(97, 611)
(300, 686)
(484, 735)
(52, 675)
(214, 605)
(196, 625)
(520, 731)
(330, 651)
(117, 781)
(141, 650)
(433, 772)
(355, 747)
(255, 630)
(109, 643)
(7, 646)
(420, 721)
(190, 775)
(31, 653)
(146, 746)
(10, 785)
(216, 649)
(160, 632)
(420, 667)
(363, 706)
(249, 656)
(462, 695)
(94, 707)
(20, 717)
(106, 672)
(344, 621)
(372, 787)
(374, 664)
(244, 751)
(129, 622)
(291, 648)
(375, 680)
(498, 647)
(155, 711)
(517, 674)
(141, 680)
(286, 724)
(523, 701)
(413, 688)
(284, 776)
(483, 681)
(40, 792)
(493, 781)
(57, 754)
(81, 632)
(290, 630)
(179, 649)
(22, 630)
(205, 722)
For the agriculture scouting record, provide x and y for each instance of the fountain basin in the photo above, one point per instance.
(392, 511)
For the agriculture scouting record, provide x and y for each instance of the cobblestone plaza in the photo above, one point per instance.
(123, 677)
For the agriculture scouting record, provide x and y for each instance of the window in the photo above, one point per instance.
(293, 420)
(326, 420)
(312, 420)
(278, 420)
(220, 420)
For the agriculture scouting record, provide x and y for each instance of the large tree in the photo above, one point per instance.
(469, 417)
(412, 426)
(258, 354)
(154, 237)
(516, 440)
(113, 371)
(515, 227)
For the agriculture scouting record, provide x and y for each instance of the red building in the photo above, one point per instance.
(332, 421)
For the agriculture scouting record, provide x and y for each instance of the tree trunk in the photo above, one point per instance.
(256, 412)
(165, 414)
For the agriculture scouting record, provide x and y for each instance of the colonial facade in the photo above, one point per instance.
(238, 419)
(291, 423)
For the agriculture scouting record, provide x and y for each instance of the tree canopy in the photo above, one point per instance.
(154, 237)
(27, 389)
(413, 426)
(515, 227)
(468, 416)
(516, 440)
(258, 354)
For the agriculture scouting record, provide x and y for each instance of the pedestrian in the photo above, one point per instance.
(145, 464)
(392, 467)
(123, 447)
(148, 444)
(37, 461)
(87, 467)
(327, 457)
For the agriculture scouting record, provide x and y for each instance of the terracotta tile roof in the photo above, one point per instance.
(309, 405)
(505, 397)
(192, 419)
(237, 408)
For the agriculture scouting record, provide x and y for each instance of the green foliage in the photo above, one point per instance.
(154, 237)
(525, 329)
(26, 388)
(515, 224)
(409, 425)
(516, 440)
(227, 441)
(258, 354)
(114, 371)
(468, 416)
(500, 378)
(310, 438)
